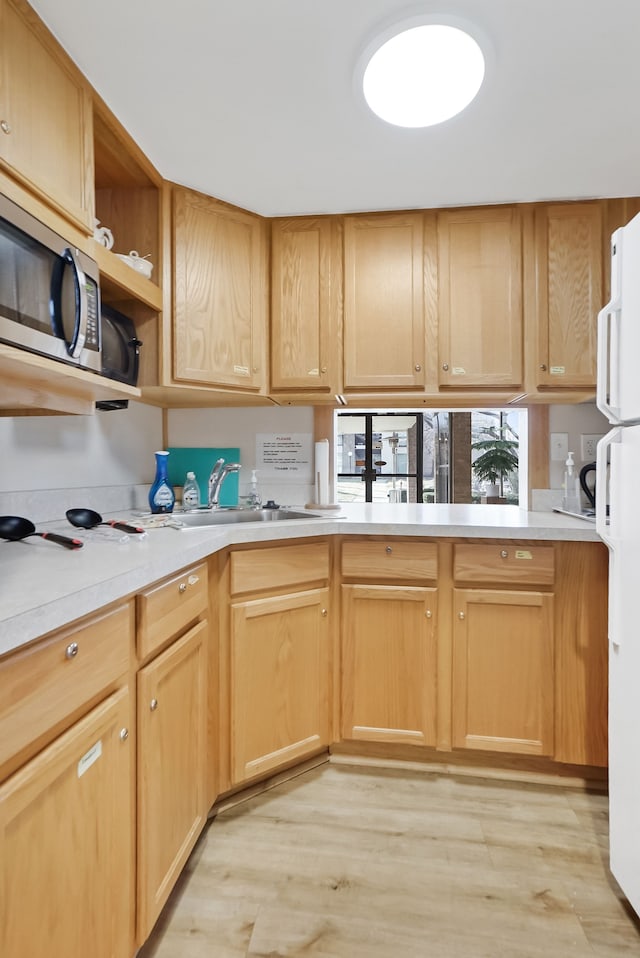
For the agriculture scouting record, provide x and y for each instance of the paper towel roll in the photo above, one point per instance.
(322, 472)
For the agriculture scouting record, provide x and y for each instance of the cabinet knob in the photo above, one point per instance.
(543, 367)
(5, 127)
(445, 366)
(323, 369)
(153, 704)
(71, 650)
(418, 367)
(388, 550)
(428, 613)
(182, 588)
(124, 734)
(461, 615)
(324, 612)
(504, 554)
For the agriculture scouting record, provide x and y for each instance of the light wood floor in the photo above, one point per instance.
(351, 862)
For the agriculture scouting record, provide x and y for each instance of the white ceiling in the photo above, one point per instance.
(254, 101)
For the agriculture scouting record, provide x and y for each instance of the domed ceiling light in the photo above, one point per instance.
(423, 75)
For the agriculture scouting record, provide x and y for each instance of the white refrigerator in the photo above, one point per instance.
(618, 522)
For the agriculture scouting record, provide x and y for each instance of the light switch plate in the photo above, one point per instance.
(559, 446)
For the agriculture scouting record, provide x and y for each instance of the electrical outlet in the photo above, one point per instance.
(588, 447)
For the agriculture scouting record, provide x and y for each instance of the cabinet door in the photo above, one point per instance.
(220, 293)
(503, 671)
(46, 132)
(568, 239)
(305, 279)
(279, 681)
(384, 325)
(66, 844)
(172, 755)
(389, 664)
(480, 313)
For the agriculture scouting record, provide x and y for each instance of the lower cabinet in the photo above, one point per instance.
(389, 663)
(172, 743)
(503, 671)
(66, 831)
(279, 678)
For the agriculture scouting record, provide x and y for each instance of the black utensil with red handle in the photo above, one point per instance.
(88, 519)
(14, 528)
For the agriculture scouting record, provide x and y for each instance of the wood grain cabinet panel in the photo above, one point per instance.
(306, 273)
(172, 773)
(503, 671)
(220, 299)
(45, 107)
(389, 559)
(504, 562)
(168, 607)
(389, 664)
(279, 681)
(279, 567)
(568, 268)
(384, 322)
(480, 303)
(66, 843)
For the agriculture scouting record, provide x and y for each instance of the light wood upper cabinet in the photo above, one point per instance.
(45, 115)
(384, 323)
(220, 283)
(66, 833)
(306, 281)
(568, 269)
(480, 312)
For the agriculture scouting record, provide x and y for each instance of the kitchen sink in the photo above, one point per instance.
(222, 517)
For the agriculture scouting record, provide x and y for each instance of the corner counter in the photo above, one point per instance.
(45, 587)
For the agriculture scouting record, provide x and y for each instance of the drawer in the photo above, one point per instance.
(504, 562)
(168, 607)
(279, 567)
(44, 684)
(390, 559)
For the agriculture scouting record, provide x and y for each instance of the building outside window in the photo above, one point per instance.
(426, 456)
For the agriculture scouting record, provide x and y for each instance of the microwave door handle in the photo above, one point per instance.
(81, 319)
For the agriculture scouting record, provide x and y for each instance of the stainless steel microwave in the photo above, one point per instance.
(49, 292)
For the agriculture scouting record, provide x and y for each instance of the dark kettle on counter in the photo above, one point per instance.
(589, 488)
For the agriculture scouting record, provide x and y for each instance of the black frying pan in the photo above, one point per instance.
(15, 527)
(87, 519)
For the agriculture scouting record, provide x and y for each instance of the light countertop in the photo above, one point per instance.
(44, 587)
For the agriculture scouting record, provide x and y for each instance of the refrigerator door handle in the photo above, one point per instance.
(605, 477)
(607, 372)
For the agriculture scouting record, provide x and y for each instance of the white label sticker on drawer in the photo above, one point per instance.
(557, 370)
(458, 371)
(241, 370)
(523, 554)
(89, 758)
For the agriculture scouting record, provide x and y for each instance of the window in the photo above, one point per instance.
(429, 456)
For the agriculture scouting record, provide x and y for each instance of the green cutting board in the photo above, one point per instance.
(201, 461)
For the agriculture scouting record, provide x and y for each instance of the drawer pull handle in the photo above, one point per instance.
(193, 579)
(388, 550)
(71, 650)
(324, 612)
(461, 615)
(5, 127)
(504, 554)
(124, 734)
(182, 588)
(153, 705)
(428, 613)
(418, 367)
(445, 366)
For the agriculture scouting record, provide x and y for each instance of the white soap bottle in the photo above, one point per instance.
(253, 500)
(191, 492)
(571, 490)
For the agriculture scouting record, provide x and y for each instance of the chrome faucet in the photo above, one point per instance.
(219, 473)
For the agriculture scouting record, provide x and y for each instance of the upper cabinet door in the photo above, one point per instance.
(305, 297)
(568, 248)
(46, 138)
(480, 313)
(220, 282)
(384, 325)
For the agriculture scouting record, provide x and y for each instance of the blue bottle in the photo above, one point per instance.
(161, 494)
